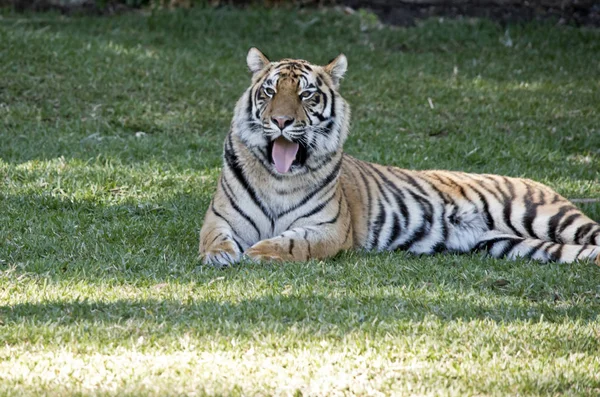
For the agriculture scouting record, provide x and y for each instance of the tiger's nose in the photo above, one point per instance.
(282, 121)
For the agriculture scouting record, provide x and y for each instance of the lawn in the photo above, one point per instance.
(111, 134)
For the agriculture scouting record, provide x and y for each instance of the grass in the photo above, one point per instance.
(111, 133)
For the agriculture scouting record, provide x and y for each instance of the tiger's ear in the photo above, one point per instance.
(256, 60)
(337, 68)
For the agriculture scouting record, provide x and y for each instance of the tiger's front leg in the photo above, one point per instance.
(317, 234)
(218, 246)
(303, 243)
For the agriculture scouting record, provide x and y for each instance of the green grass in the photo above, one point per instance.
(111, 134)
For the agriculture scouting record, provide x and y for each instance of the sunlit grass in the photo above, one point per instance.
(111, 134)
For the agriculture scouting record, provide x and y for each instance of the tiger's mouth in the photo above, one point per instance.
(285, 154)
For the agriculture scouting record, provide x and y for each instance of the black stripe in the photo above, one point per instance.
(244, 215)
(450, 184)
(237, 243)
(328, 179)
(291, 246)
(581, 232)
(324, 95)
(337, 215)
(425, 227)
(450, 200)
(312, 212)
(485, 186)
(399, 197)
(369, 169)
(327, 158)
(489, 219)
(219, 215)
(256, 99)
(249, 107)
(378, 225)
(534, 250)
(317, 115)
(530, 212)
(214, 239)
(212, 207)
(568, 222)
(440, 246)
(327, 129)
(367, 189)
(586, 246)
(594, 237)
(417, 236)
(381, 217)
(389, 185)
(499, 186)
(293, 190)
(395, 230)
(452, 217)
(508, 202)
(489, 243)
(332, 112)
(509, 247)
(326, 192)
(401, 174)
(307, 244)
(557, 254)
(556, 199)
(428, 207)
(233, 164)
(554, 221)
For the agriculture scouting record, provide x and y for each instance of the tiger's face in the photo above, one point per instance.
(292, 117)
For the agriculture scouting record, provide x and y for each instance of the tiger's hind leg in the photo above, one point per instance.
(561, 222)
(502, 245)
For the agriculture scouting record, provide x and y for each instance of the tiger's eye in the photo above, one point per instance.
(269, 91)
(306, 94)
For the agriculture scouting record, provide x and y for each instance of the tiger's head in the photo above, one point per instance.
(292, 117)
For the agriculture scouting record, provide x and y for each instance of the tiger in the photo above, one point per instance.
(288, 193)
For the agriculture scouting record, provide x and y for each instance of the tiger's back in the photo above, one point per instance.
(288, 192)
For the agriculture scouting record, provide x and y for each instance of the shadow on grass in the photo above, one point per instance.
(312, 317)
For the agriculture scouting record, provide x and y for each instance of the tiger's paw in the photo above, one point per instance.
(221, 254)
(271, 250)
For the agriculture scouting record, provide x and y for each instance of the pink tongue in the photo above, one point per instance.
(284, 153)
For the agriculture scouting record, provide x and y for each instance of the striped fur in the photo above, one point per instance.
(329, 201)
